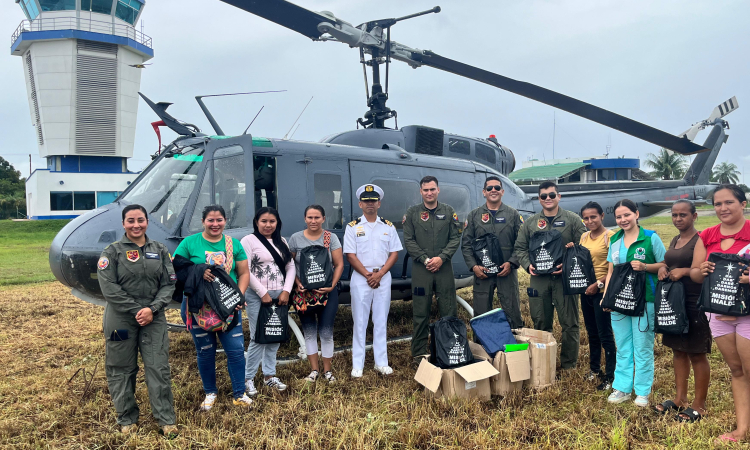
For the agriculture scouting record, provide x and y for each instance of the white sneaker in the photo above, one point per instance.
(208, 402)
(275, 383)
(312, 377)
(384, 370)
(243, 401)
(250, 388)
(618, 397)
(356, 373)
(641, 400)
(329, 377)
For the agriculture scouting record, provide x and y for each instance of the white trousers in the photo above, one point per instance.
(363, 300)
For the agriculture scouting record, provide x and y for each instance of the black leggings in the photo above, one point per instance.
(599, 328)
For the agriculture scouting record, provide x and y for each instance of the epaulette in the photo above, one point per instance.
(386, 221)
(354, 222)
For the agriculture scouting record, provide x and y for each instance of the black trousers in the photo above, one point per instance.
(599, 328)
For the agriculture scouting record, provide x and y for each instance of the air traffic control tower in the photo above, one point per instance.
(79, 61)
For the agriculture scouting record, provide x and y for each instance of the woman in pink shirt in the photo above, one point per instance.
(732, 334)
(271, 277)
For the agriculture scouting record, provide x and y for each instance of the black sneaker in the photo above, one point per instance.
(604, 386)
(591, 376)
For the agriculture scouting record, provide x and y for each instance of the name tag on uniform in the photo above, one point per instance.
(558, 224)
(440, 216)
(150, 255)
(499, 219)
(360, 231)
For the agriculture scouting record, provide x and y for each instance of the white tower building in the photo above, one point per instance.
(80, 61)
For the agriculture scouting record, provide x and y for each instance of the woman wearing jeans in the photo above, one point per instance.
(634, 336)
(268, 254)
(210, 247)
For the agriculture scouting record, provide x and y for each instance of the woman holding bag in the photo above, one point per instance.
(271, 278)
(213, 247)
(318, 319)
(644, 251)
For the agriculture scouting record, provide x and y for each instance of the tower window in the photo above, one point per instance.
(127, 10)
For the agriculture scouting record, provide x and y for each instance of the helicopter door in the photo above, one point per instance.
(327, 186)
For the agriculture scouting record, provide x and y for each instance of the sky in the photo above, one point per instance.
(665, 63)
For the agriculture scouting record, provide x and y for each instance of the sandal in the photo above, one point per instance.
(667, 405)
(725, 438)
(692, 416)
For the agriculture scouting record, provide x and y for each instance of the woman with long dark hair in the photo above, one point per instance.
(320, 318)
(271, 277)
(634, 336)
(688, 349)
(732, 334)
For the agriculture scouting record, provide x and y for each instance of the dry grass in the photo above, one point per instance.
(48, 335)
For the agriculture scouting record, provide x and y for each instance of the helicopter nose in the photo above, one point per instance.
(76, 249)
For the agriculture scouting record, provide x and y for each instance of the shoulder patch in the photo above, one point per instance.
(354, 222)
(386, 221)
(520, 217)
(103, 263)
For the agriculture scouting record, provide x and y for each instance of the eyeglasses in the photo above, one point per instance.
(495, 187)
(551, 195)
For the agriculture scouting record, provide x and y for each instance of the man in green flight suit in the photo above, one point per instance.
(546, 291)
(432, 234)
(494, 217)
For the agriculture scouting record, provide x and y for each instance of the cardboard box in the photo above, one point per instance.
(514, 368)
(470, 381)
(543, 356)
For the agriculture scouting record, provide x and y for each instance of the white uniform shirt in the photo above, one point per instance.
(371, 242)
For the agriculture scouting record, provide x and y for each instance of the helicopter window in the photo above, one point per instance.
(328, 195)
(485, 153)
(204, 199)
(457, 197)
(229, 185)
(264, 169)
(165, 189)
(459, 146)
(398, 196)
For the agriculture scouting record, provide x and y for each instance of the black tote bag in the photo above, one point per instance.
(578, 270)
(273, 323)
(722, 292)
(626, 293)
(546, 251)
(669, 304)
(315, 270)
(449, 345)
(488, 253)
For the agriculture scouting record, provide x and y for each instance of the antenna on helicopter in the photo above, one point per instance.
(251, 122)
(295, 131)
(210, 117)
(300, 115)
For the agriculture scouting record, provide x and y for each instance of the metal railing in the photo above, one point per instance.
(72, 23)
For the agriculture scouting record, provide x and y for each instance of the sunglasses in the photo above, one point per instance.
(551, 195)
(490, 188)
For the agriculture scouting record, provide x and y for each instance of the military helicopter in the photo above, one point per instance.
(244, 172)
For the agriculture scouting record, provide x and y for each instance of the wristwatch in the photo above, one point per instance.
(153, 310)
(599, 284)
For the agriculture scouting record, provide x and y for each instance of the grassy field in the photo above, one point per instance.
(24, 249)
(48, 335)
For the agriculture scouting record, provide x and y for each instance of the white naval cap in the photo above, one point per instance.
(370, 192)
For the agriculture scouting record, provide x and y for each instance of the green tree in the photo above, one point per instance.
(726, 173)
(12, 191)
(667, 165)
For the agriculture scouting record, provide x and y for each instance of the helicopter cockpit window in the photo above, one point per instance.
(399, 195)
(229, 185)
(264, 169)
(204, 199)
(328, 195)
(457, 197)
(165, 189)
(459, 146)
(485, 153)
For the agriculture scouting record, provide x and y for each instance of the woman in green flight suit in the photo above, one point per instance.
(137, 280)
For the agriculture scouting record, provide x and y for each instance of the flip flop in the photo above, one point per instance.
(692, 416)
(724, 438)
(668, 405)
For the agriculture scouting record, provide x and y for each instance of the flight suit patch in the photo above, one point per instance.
(132, 255)
(455, 217)
(558, 223)
(520, 217)
(541, 223)
(151, 255)
(172, 277)
(499, 219)
(485, 217)
(103, 263)
(440, 216)
(425, 216)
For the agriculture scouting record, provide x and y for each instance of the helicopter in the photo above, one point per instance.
(245, 172)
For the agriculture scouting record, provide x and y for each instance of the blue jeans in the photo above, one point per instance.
(258, 352)
(233, 343)
(634, 337)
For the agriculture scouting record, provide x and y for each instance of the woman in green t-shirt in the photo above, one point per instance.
(209, 247)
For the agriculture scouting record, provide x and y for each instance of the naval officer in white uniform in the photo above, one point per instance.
(371, 246)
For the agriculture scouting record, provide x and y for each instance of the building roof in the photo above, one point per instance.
(543, 173)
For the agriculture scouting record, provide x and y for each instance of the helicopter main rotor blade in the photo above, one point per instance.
(607, 118)
(286, 14)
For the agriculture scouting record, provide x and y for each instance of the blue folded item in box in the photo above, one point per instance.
(492, 330)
